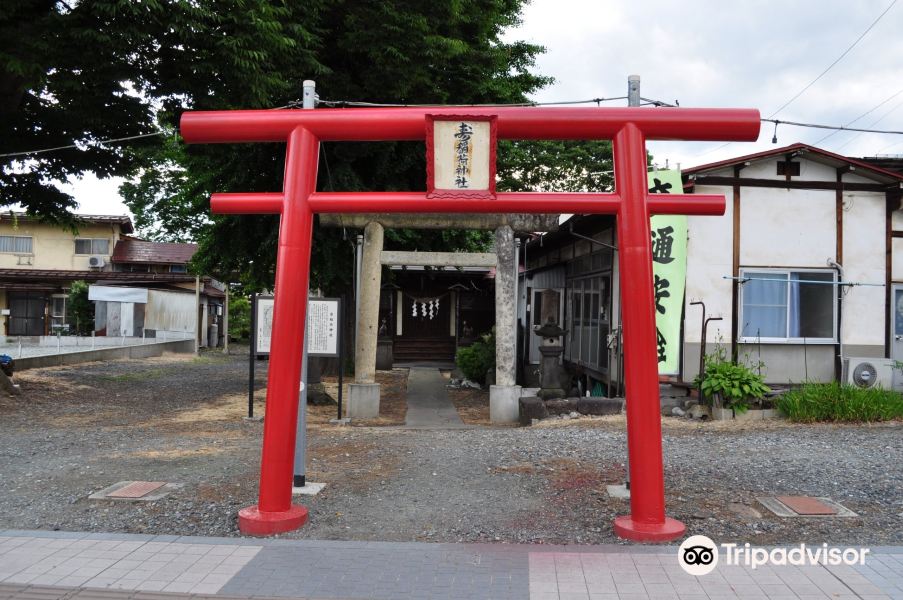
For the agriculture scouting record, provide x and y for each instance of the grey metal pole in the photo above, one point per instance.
(358, 254)
(226, 322)
(197, 316)
(516, 302)
(300, 470)
(633, 99)
(252, 355)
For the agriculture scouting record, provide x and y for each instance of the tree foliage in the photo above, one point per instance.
(80, 71)
(149, 61)
(393, 51)
(80, 309)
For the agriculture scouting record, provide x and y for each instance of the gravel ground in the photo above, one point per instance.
(78, 429)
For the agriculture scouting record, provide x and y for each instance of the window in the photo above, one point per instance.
(58, 312)
(588, 325)
(794, 168)
(178, 269)
(790, 306)
(15, 244)
(92, 246)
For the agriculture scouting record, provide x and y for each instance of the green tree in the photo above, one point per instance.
(239, 317)
(396, 51)
(75, 72)
(80, 310)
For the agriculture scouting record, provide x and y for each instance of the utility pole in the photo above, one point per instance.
(633, 99)
(633, 90)
(300, 470)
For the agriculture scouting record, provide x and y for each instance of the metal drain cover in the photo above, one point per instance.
(136, 490)
(805, 506)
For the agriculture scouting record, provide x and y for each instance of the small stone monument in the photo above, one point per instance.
(551, 348)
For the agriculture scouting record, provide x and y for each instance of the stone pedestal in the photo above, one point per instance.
(503, 403)
(363, 400)
(551, 383)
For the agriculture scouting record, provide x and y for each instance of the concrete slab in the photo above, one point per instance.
(428, 401)
(310, 489)
(618, 491)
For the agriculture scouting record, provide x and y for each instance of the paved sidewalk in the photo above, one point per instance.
(428, 403)
(45, 565)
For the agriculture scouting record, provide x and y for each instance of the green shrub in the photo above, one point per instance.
(840, 402)
(80, 309)
(737, 384)
(239, 317)
(476, 359)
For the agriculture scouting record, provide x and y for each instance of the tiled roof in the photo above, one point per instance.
(866, 169)
(92, 276)
(130, 250)
(123, 221)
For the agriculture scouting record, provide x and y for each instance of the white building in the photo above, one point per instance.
(805, 266)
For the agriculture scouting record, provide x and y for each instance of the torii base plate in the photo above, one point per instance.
(626, 528)
(252, 521)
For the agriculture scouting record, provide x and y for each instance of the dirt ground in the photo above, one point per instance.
(472, 405)
(392, 405)
(75, 430)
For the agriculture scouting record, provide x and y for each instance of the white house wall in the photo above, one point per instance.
(864, 262)
(709, 260)
(791, 228)
(898, 264)
(786, 228)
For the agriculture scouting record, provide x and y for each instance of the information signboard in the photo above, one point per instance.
(323, 319)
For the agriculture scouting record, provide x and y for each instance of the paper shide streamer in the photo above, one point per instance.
(429, 307)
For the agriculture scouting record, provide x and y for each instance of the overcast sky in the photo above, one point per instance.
(712, 53)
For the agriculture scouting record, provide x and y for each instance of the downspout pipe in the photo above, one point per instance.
(838, 368)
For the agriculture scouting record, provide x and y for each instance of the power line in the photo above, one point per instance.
(837, 60)
(869, 111)
(873, 123)
(351, 103)
(357, 103)
(835, 127)
(96, 143)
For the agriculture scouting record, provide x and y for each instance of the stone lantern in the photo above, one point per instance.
(551, 347)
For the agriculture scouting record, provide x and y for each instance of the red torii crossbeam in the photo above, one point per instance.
(628, 128)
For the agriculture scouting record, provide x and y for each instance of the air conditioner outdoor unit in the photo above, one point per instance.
(872, 372)
(96, 261)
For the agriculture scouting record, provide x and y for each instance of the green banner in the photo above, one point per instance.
(669, 268)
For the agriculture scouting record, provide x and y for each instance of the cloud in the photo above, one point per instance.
(737, 54)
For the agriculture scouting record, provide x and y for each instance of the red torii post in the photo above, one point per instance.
(629, 128)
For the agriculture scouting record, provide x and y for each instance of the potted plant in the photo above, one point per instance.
(731, 388)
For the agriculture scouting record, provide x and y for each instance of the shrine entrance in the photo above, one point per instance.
(461, 147)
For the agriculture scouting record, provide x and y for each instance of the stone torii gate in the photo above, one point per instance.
(628, 128)
(364, 393)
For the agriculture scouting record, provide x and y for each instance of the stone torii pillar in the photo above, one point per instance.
(363, 394)
(505, 394)
(628, 128)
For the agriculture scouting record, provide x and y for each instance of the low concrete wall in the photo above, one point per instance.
(785, 363)
(120, 352)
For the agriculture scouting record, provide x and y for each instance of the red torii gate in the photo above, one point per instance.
(628, 128)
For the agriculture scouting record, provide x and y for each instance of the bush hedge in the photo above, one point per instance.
(840, 402)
